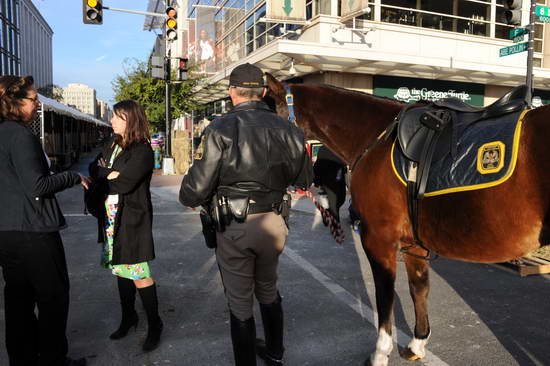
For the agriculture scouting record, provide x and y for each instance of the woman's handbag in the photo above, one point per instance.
(94, 198)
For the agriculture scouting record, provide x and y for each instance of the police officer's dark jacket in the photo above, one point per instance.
(251, 147)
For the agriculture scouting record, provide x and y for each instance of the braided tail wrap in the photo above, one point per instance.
(333, 224)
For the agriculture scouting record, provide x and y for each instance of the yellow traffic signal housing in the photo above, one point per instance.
(92, 11)
(171, 24)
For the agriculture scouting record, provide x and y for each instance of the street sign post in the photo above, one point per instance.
(517, 48)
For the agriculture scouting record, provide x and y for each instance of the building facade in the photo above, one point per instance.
(25, 42)
(103, 111)
(10, 53)
(36, 45)
(82, 97)
(404, 49)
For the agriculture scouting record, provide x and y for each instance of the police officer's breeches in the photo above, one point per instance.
(248, 256)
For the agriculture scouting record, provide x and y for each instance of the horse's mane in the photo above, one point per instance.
(355, 92)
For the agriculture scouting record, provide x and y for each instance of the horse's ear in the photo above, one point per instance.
(275, 89)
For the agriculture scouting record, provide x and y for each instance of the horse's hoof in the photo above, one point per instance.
(409, 355)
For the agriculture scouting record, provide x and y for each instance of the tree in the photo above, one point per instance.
(52, 91)
(138, 84)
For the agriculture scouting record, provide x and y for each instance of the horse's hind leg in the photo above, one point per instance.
(419, 286)
(382, 257)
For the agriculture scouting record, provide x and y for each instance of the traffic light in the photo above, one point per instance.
(92, 11)
(171, 24)
(512, 12)
(182, 69)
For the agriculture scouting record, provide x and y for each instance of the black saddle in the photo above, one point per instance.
(439, 123)
(429, 132)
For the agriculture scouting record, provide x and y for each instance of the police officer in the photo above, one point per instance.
(248, 158)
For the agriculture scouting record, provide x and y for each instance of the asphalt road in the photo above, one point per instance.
(480, 314)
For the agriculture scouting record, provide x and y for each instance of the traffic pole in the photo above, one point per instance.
(168, 161)
(168, 114)
(530, 52)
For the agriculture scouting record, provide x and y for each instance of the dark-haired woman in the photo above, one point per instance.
(125, 167)
(31, 251)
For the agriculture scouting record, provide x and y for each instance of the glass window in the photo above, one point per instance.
(539, 29)
(260, 41)
(538, 45)
(260, 13)
(401, 3)
(478, 14)
(273, 31)
(323, 6)
(437, 6)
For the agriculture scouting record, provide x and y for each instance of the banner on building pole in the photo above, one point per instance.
(353, 7)
(205, 45)
(286, 9)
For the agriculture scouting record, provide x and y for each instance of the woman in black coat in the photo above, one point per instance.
(124, 169)
(31, 251)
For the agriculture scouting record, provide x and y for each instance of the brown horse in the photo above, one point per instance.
(489, 225)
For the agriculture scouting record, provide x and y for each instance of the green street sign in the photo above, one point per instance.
(517, 48)
(543, 12)
(519, 39)
(516, 32)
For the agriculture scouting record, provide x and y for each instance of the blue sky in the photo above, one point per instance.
(94, 54)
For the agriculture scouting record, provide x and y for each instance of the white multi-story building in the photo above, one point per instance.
(103, 111)
(35, 45)
(82, 97)
(403, 49)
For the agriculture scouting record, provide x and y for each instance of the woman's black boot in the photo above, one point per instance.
(127, 292)
(271, 350)
(243, 334)
(150, 303)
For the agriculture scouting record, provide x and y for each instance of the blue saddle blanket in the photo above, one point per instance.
(485, 156)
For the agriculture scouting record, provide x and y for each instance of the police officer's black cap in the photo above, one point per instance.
(247, 76)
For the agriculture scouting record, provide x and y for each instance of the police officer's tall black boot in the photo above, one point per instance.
(243, 335)
(271, 350)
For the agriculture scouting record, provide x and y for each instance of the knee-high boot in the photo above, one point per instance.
(150, 303)
(243, 334)
(127, 293)
(271, 350)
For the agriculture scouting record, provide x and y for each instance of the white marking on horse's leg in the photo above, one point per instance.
(353, 302)
(384, 346)
(418, 346)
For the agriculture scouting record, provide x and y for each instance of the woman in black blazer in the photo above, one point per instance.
(31, 251)
(125, 168)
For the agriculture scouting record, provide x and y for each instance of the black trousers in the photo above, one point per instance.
(35, 272)
(336, 195)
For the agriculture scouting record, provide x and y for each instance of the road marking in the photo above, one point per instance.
(206, 267)
(356, 304)
(154, 214)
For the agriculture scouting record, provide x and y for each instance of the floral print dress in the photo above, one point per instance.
(131, 271)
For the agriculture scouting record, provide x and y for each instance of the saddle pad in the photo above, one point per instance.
(486, 156)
